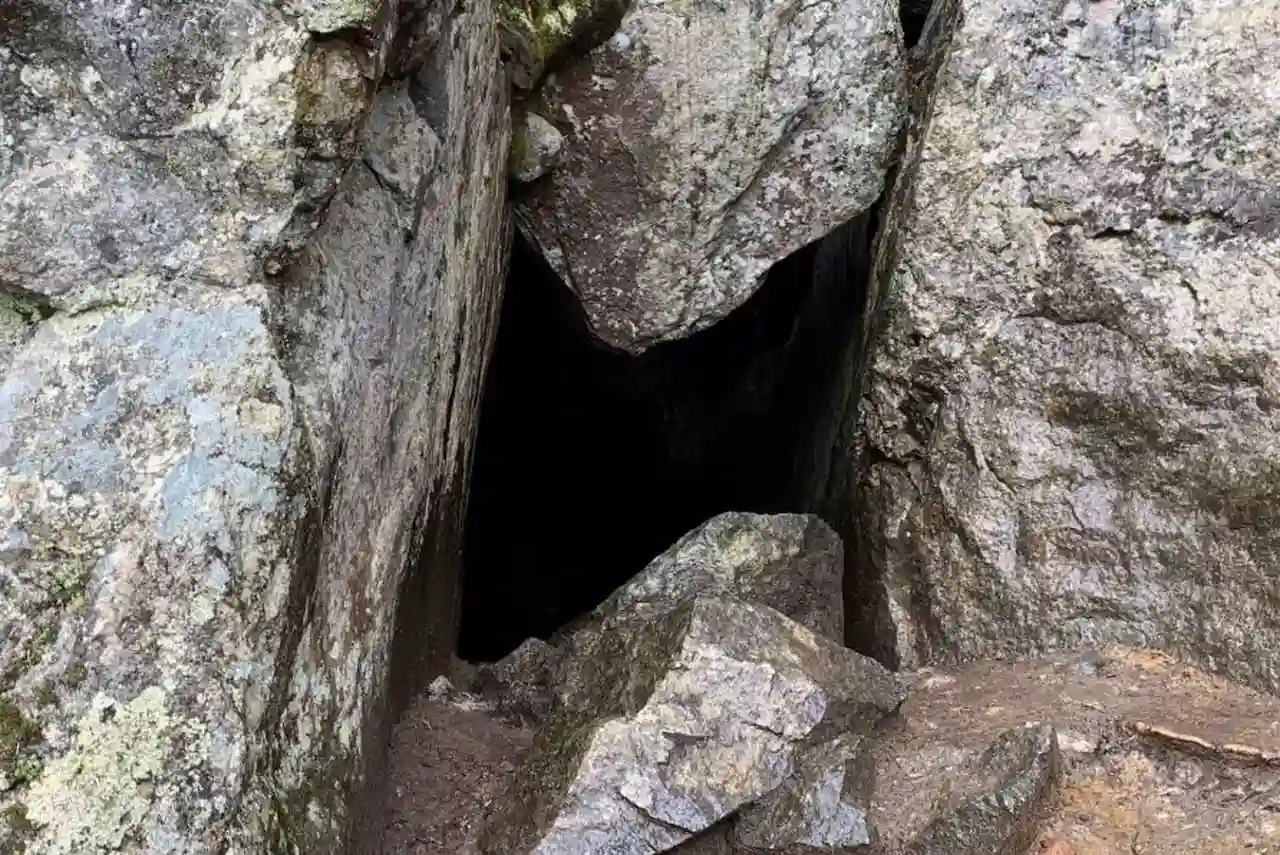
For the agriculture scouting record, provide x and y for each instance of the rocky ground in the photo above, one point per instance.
(1157, 757)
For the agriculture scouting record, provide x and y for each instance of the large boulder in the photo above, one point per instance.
(676, 723)
(248, 294)
(790, 562)
(706, 142)
(1069, 425)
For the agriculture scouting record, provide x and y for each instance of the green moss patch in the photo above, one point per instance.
(17, 735)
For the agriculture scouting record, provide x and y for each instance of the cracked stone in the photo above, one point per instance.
(678, 721)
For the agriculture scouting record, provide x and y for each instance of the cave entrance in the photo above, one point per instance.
(590, 462)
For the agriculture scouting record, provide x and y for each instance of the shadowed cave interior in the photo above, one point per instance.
(590, 462)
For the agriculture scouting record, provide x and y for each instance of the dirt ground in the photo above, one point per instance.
(446, 762)
(1159, 758)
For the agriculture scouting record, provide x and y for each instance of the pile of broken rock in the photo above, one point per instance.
(710, 707)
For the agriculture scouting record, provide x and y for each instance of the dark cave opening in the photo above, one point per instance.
(589, 462)
(913, 14)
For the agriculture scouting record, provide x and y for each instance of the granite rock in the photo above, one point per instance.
(1067, 432)
(824, 808)
(790, 562)
(676, 722)
(248, 295)
(706, 142)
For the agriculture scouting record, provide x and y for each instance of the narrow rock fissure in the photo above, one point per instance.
(590, 462)
(913, 14)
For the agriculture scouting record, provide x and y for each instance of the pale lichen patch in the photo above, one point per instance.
(330, 16)
(95, 797)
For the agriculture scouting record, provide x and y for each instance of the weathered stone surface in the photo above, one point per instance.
(789, 562)
(824, 807)
(535, 33)
(678, 721)
(521, 685)
(992, 802)
(707, 143)
(536, 145)
(1071, 414)
(212, 480)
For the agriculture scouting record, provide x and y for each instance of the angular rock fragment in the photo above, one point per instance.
(823, 808)
(790, 562)
(678, 721)
(708, 142)
(942, 800)
(536, 145)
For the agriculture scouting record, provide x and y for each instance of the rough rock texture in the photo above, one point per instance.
(676, 722)
(1069, 431)
(986, 801)
(536, 33)
(536, 145)
(704, 144)
(824, 807)
(240, 366)
(789, 562)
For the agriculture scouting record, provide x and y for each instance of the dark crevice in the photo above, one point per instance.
(913, 14)
(848, 498)
(589, 462)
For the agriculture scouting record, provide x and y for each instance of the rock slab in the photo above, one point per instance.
(246, 297)
(706, 142)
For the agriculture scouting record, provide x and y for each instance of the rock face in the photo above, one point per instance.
(676, 722)
(1070, 417)
(704, 144)
(248, 296)
(824, 807)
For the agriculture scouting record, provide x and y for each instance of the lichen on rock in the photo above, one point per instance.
(183, 625)
(92, 799)
(1067, 431)
(537, 32)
